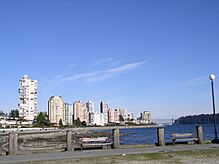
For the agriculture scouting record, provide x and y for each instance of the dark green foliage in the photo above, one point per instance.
(41, 120)
(14, 113)
(83, 124)
(121, 118)
(197, 119)
(77, 122)
(60, 123)
(2, 113)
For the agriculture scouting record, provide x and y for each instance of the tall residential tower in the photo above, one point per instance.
(80, 111)
(146, 117)
(104, 109)
(68, 114)
(27, 105)
(56, 110)
(90, 110)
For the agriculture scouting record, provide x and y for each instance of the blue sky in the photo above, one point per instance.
(141, 55)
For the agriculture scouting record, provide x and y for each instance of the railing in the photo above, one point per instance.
(4, 142)
(17, 142)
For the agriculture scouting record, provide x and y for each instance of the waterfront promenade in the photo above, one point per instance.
(101, 153)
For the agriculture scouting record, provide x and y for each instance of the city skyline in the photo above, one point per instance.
(138, 55)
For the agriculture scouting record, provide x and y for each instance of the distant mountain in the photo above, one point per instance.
(198, 119)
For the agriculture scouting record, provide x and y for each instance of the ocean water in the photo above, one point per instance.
(149, 135)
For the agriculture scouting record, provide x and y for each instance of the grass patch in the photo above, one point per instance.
(195, 153)
(150, 156)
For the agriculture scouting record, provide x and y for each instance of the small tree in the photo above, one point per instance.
(121, 119)
(14, 113)
(41, 120)
(78, 122)
(60, 123)
(2, 113)
(84, 123)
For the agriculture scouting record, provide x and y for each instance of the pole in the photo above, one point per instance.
(212, 89)
(12, 145)
(115, 138)
(69, 142)
(160, 136)
(199, 133)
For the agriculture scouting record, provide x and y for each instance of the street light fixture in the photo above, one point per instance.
(212, 77)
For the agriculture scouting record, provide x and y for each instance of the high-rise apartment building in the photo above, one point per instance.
(68, 114)
(90, 110)
(123, 113)
(90, 106)
(80, 111)
(56, 109)
(98, 119)
(146, 117)
(113, 116)
(27, 98)
(130, 116)
(104, 109)
(116, 116)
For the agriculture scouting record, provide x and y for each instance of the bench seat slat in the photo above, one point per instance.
(95, 144)
(99, 139)
(182, 137)
(177, 135)
(186, 139)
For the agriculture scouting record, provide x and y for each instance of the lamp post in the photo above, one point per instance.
(212, 77)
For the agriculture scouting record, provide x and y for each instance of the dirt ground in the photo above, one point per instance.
(188, 157)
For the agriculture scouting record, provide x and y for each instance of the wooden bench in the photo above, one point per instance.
(183, 137)
(99, 142)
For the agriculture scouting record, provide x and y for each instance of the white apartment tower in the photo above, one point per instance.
(68, 114)
(27, 98)
(111, 114)
(104, 109)
(98, 119)
(90, 110)
(90, 106)
(146, 117)
(80, 111)
(56, 109)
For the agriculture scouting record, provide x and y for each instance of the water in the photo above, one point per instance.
(149, 135)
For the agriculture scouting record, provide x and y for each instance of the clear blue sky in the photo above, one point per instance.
(137, 54)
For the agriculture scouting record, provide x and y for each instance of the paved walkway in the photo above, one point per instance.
(99, 153)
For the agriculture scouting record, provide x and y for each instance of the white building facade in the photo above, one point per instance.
(145, 117)
(113, 116)
(90, 110)
(68, 114)
(104, 109)
(27, 105)
(98, 119)
(123, 113)
(90, 106)
(80, 111)
(56, 110)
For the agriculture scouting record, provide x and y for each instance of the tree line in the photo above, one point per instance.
(42, 120)
(197, 119)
